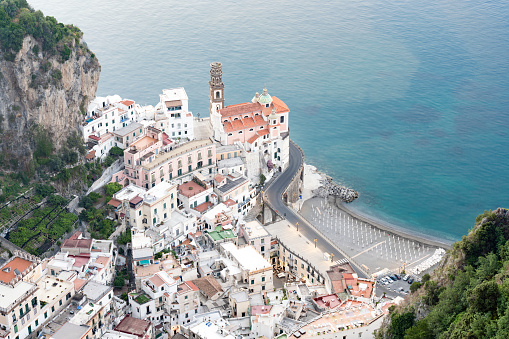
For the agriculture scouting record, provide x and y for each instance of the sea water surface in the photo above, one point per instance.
(404, 101)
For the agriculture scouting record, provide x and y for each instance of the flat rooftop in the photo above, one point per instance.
(143, 142)
(128, 129)
(231, 184)
(247, 257)
(185, 148)
(129, 192)
(159, 191)
(9, 295)
(227, 148)
(95, 291)
(190, 189)
(229, 162)
(255, 230)
(87, 312)
(171, 94)
(220, 234)
(50, 288)
(70, 331)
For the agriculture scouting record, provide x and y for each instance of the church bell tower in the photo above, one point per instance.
(216, 100)
(216, 97)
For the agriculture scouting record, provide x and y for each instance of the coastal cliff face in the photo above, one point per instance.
(467, 295)
(40, 90)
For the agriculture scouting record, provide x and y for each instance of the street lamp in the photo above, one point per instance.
(315, 242)
(297, 224)
(332, 257)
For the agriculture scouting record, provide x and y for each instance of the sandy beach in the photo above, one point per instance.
(373, 244)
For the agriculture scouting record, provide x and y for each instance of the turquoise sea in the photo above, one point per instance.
(405, 101)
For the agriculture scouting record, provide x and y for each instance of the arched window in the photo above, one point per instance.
(218, 95)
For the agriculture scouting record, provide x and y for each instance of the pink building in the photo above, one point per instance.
(151, 159)
(253, 121)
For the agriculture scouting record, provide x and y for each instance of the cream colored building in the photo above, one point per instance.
(256, 271)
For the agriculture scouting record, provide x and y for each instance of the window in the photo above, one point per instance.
(252, 282)
(252, 242)
(210, 161)
(52, 308)
(263, 248)
(263, 241)
(15, 328)
(46, 315)
(60, 302)
(155, 210)
(263, 288)
(36, 322)
(139, 213)
(185, 297)
(263, 278)
(210, 153)
(282, 119)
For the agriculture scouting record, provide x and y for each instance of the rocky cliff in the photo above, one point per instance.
(41, 90)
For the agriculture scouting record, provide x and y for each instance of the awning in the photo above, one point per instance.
(145, 262)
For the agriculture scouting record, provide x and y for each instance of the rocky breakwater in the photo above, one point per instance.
(329, 188)
(41, 89)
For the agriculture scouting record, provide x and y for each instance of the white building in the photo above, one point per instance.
(256, 270)
(171, 115)
(107, 114)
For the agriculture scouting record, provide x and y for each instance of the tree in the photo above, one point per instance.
(400, 322)
(112, 188)
(108, 161)
(119, 282)
(415, 286)
(484, 297)
(44, 190)
(116, 151)
(262, 179)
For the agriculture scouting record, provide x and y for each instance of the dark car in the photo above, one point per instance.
(410, 280)
(397, 276)
(393, 277)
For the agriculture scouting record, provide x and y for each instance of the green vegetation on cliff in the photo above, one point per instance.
(468, 295)
(18, 19)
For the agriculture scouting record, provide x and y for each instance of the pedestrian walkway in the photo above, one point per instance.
(300, 245)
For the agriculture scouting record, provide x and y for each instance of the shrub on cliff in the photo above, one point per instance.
(18, 19)
(468, 297)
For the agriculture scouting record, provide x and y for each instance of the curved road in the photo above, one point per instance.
(274, 193)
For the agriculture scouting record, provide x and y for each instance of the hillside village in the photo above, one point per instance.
(198, 263)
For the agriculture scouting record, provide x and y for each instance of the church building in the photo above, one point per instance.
(259, 127)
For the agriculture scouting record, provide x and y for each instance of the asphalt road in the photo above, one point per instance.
(274, 196)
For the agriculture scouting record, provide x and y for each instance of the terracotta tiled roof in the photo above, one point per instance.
(243, 108)
(90, 155)
(127, 102)
(262, 132)
(114, 202)
(133, 326)
(230, 202)
(8, 272)
(156, 280)
(203, 206)
(94, 137)
(281, 107)
(253, 138)
(218, 178)
(77, 243)
(208, 285)
(79, 283)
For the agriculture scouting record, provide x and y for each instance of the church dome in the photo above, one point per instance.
(256, 97)
(265, 98)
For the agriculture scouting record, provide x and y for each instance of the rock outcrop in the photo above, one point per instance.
(329, 188)
(37, 89)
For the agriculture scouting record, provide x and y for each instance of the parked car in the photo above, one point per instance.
(410, 280)
(393, 277)
(405, 278)
(397, 276)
